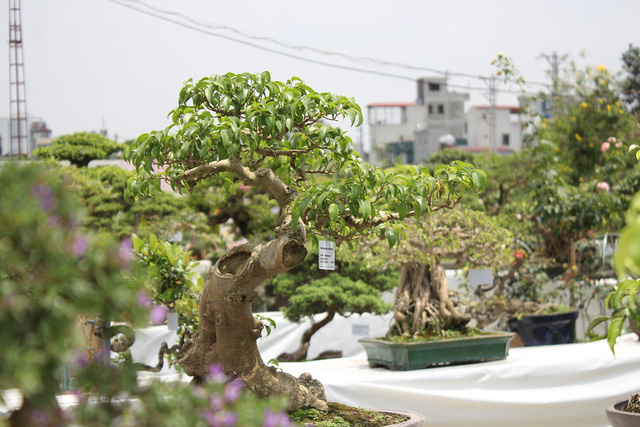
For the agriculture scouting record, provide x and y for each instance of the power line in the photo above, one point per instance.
(196, 26)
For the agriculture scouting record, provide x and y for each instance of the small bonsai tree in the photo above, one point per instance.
(275, 136)
(79, 148)
(351, 289)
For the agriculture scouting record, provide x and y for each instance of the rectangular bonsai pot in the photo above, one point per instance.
(399, 356)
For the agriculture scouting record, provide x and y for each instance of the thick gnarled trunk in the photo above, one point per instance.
(228, 330)
(422, 301)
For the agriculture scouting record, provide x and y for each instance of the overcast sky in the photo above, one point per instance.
(90, 62)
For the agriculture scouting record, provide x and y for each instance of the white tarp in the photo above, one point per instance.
(561, 385)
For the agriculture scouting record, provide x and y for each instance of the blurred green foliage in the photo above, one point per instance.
(79, 148)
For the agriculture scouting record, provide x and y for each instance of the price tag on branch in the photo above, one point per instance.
(326, 255)
(480, 277)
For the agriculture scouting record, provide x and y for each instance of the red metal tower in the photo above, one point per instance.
(19, 142)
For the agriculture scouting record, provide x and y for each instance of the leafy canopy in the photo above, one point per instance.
(79, 148)
(276, 135)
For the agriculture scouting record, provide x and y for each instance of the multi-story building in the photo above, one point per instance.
(412, 131)
(39, 135)
(507, 135)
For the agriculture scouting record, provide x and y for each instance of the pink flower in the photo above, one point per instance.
(603, 186)
(611, 139)
(605, 147)
(233, 390)
(158, 314)
(243, 187)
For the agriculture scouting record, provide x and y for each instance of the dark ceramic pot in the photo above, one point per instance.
(546, 329)
(619, 418)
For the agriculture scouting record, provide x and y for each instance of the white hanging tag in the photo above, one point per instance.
(326, 256)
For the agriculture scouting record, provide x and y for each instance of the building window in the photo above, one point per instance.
(434, 87)
(391, 115)
(505, 139)
(440, 109)
(430, 109)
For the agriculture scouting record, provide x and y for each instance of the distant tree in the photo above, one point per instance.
(79, 148)
(631, 85)
(352, 288)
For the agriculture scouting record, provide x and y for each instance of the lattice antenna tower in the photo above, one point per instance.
(19, 141)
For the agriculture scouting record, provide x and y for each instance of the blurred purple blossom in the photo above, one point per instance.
(46, 195)
(55, 221)
(222, 419)
(233, 390)
(81, 359)
(215, 402)
(79, 246)
(243, 187)
(229, 419)
(125, 253)
(272, 419)
(40, 418)
(217, 374)
(144, 300)
(158, 314)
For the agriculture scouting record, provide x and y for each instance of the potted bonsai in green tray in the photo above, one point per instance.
(275, 136)
(428, 328)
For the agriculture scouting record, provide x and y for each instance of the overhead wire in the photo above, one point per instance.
(197, 26)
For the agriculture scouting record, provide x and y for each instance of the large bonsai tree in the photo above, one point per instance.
(274, 135)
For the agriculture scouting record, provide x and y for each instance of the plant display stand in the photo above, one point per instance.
(547, 329)
(417, 355)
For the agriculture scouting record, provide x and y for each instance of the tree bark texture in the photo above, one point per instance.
(228, 330)
(422, 301)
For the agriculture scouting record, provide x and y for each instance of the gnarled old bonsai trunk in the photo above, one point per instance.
(228, 330)
(422, 301)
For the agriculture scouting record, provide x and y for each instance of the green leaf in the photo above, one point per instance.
(392, 237)
(403, 209)
(615, 328)
(303, 205)
(595, 322)
(365, 208)
(333, 212)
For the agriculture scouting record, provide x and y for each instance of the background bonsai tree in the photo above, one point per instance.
(423, 305)
(275, 136)
(79, 148)
(352, 288)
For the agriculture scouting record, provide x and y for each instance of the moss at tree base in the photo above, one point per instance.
(345, 416)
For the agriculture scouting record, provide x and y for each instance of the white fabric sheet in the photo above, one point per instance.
(561, 385)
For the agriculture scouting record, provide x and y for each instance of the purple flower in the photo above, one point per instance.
(233, 390)
(125, 253)
(144, 300)
(272, 419)
(215, 402)
(223, 419)
(46, 195)
(101, 356)
(55, 221)
(158, 314)
(79, 246)
(229, 419)
(81, 359)
(40, 418)
(217, 374)
(243, 187)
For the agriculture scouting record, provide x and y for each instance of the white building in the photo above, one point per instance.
(412, 131)
(508, 135)
(38, 136)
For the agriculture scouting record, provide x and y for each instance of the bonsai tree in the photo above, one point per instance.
(423, 306)
(51, 273)
(79, 148)
(351, 289)
(276, 135)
